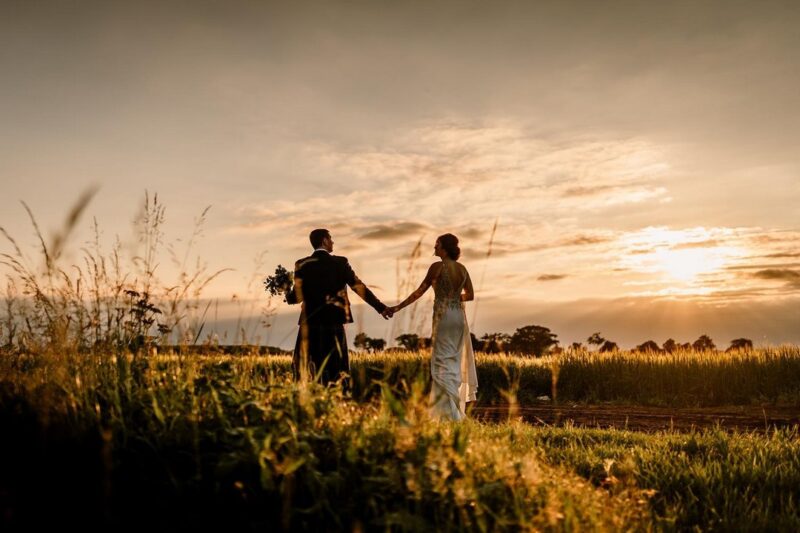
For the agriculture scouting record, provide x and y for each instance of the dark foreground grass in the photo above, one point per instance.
(178, 444)
(171, 443)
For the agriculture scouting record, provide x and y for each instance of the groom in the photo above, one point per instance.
(320, 284)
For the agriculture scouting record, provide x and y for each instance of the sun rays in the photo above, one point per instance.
(686, 261)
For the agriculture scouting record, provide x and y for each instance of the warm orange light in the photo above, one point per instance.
(681, 258)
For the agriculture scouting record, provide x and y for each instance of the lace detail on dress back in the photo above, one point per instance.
(447, 294)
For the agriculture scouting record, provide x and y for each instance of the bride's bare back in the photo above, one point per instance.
(450, 279)
(454, 285)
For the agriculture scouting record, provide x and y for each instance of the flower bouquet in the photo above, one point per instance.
(280, 282)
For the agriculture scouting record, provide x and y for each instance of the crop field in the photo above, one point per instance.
(183, 442)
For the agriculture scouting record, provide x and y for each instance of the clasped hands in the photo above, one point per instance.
(389, 312)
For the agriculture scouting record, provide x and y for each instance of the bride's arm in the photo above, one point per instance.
(468, 294)
(414, 296)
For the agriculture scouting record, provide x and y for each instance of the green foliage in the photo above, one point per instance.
(364, 342)
(648, 346)
(595, 339)
(740, 344)
(704, 480)
(412, 341)
(670, 346)
(608, 346)
(532, 340)
(494, 342)
(703, 343)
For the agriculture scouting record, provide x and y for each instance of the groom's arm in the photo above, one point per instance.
(361, 289)
(295, 294)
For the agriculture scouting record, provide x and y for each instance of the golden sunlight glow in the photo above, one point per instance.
(687, 265)
(682, 257)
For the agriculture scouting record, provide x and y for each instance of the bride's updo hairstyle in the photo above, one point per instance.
(449, 243)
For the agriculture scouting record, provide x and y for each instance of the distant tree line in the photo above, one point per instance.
(536, 341)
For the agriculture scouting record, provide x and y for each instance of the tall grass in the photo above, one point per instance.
(185, 442)
(182, 442)
(107, 301)
(681, 379)
(703, 480)
(687, 379)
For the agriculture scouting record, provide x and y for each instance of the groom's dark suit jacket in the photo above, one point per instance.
(321, 282)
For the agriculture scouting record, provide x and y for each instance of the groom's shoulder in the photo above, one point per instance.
(300, 263)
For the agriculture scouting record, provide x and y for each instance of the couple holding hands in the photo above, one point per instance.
(320, 285)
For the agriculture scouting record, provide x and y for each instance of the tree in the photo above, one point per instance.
(534, 340)
(376, 345)
(595, 339)
(495, 342)
(409, 341)
(575, 346)
(363, 342)
(477, 345)
(703, 343)
(670, 346)
(609, 346)
(648, 346)
(740, 344)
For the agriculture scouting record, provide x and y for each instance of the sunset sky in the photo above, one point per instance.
(641, 159)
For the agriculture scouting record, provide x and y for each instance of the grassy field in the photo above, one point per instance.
(176, 442)
(95, 437)
(682, 379)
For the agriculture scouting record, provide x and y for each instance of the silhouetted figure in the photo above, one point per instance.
(320, 285)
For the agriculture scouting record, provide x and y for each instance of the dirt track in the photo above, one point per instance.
(639, 418)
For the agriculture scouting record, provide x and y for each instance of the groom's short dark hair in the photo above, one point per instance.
(317, 236)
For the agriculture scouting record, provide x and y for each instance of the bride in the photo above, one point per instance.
(454, 380)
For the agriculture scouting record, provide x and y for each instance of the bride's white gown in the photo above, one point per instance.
(453, 376)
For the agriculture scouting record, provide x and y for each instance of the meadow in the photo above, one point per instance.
(186, 441)
(686, 378)
(117, 412)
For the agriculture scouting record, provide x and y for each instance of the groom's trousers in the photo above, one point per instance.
(321, 351)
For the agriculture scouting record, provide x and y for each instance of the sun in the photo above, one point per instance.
(689, 264)
(682, 259)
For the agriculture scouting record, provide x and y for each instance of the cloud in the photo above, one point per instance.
(784, 255)
(381, 232)
(448, 177)
(697, 244)
(778, 274)
(547, 193)
(763, 266)
(584, 240)
(472, 233)
(472, 254)
(586, 191)
(551, 277)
